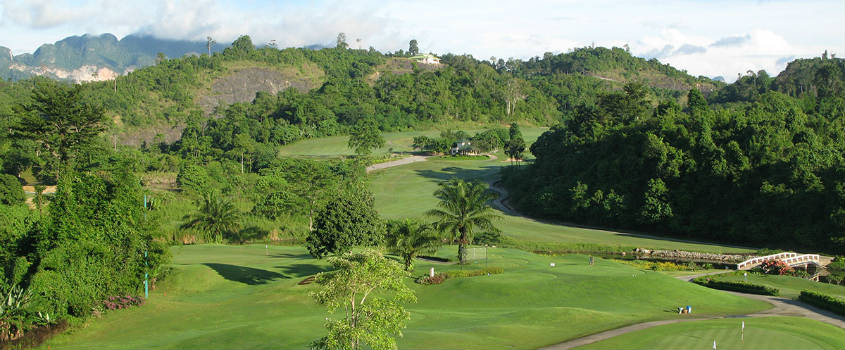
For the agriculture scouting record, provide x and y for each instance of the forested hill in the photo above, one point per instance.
(91, 58)
(763, 163)
(334, 87)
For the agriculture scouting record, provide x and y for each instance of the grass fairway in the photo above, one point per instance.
(408, 191)
(789, 286)
(334, 146)
(238, 297)
(760, 333)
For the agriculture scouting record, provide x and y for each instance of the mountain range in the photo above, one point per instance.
(95, 57)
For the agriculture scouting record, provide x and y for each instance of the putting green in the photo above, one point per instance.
(242, 297)
(760, 333)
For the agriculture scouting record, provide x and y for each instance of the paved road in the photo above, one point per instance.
(393, 163)
(780, 307)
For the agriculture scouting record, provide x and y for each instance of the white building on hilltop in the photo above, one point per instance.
(426, 59)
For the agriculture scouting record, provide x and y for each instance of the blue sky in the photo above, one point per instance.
(704, 37)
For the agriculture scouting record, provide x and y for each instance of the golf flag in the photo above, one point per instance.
(714, 344)
(742, 333)
(743, 325)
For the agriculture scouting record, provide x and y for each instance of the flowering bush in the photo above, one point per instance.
(775, 267)
(122, 302)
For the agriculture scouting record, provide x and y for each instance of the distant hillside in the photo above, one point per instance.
(311, 93)
(614, 65)
(94, 58)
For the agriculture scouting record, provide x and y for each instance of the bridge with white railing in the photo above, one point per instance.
(789, 258)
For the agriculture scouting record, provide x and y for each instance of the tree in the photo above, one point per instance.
(371, 290)
(309, 181)
(696, 101)
(365, 137)
(413, 47)
(217, 217)
(341, 41)
(515, 149)
(11, 192)
(349, 220)
(209, 43)
(408, 239)
(463, 207)
(241, 47)
(60, 120)
(514, 131)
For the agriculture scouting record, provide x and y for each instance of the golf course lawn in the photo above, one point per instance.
(408, 191)
(333, 146)
(789, 286)
(760, 333)
(245, 297)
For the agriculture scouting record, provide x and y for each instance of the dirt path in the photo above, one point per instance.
(780, 307)
(398, 162)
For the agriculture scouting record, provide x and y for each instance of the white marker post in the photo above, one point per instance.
(714, 344)
(742, 332)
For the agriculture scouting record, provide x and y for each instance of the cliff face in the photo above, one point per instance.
(242, 85)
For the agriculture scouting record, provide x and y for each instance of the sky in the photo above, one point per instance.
(704, 37)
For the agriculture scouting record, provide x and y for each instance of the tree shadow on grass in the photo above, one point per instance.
(246, 275)
(447, 173)
(302, 270)
(291, 256)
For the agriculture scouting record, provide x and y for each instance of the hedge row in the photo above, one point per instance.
(742, 287)
(823, 301)
(440, 277)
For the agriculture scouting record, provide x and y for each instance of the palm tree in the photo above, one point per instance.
(409, 238)
(217, 217)
(463, 207)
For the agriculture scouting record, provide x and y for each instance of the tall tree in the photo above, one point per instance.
(365, 136)
(413, 47)
(409, 238)
(209, 43)
(217, 217)
(515, 148)
(462, 208)
(60, 120)
(371, 290)
(341, 41)
(349, 220)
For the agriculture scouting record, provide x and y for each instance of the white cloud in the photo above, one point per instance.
(727, 56)
(719, 37)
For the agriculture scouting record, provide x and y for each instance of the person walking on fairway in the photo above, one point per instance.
(591, 260)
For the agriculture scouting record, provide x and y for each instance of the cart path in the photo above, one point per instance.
(408, 160)
(780, 307)
(398, 162)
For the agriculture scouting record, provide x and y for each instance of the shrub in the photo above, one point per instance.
(440, 277)
(823, 301)
(122, 302)
(742, 287)
(11, 191)
(436, 279)
(775, 267)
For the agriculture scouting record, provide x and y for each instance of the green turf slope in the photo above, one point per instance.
(789, 286)
(408, 191)
(760, 333)
(238, 297)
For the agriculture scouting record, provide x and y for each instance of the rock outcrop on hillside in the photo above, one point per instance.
(242, 85)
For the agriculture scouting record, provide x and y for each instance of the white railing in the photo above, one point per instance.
(803, 259)
(747, 264)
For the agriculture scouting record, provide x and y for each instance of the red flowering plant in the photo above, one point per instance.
(775, 267)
